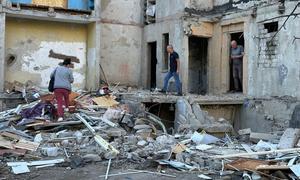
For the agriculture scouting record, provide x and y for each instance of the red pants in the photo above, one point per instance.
(62, 98)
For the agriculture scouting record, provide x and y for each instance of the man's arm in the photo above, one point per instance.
(178, 65)
(239, 56)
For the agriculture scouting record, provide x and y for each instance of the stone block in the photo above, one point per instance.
(289, 138)
(256, 137)
(198, 113)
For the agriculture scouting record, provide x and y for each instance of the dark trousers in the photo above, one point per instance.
(62, 98)
(177, 81)
(237, 70)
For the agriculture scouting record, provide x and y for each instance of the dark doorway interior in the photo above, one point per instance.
(198, 65)
(239, 38)
(153, 62)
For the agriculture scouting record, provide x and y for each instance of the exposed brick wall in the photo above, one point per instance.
(268, 54)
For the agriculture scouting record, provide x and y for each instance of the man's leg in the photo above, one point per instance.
(235, 77)
(177, 82)
(166, 81)
(59, 98)
(240, 75)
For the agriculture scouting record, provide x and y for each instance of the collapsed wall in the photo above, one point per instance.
(191, 117)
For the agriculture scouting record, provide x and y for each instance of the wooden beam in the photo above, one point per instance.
(256, 153)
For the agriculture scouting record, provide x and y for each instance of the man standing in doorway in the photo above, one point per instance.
(173, 71)
(237, 54)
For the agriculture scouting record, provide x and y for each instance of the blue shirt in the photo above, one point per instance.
(173, 61)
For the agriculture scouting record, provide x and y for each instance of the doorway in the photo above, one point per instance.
(239, 38)
(198, 80)
(153, 62)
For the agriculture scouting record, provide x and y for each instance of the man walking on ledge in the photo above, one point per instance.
(174, 71)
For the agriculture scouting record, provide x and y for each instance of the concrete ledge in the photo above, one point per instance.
(47, 16)
(202, 100)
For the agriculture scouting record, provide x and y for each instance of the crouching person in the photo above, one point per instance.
(63, 78)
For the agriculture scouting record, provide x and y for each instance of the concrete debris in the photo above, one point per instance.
(244, 131)
(265, 146)
(255, 137)
(189, 116)
(124, 130)
(142, 143)
(203, 147)
(289, 138)
(91, 158)
(51, 151)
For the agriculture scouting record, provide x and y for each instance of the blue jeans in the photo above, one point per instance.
(177, 81)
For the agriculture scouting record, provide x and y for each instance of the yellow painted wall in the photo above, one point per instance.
(31, 42)
(51, 3)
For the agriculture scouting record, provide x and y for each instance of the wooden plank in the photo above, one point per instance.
(272, 167)
(105, 101)
(37, 163)
(10, 135)
(243, 164)
(97, 137)
(35, 124)
(20, 152)
(23, 144)
(5, 143)
(256, 153)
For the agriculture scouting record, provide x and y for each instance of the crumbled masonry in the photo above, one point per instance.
(100, 128)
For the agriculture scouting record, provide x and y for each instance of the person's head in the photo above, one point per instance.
(233, 44)
(170, 48)
(67, 62)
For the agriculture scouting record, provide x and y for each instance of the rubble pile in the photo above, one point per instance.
(101, 127)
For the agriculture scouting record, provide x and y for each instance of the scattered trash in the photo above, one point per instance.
(102, 126)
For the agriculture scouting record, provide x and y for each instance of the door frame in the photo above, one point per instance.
(227, 30)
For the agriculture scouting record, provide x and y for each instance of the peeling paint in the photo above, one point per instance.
(31, 42)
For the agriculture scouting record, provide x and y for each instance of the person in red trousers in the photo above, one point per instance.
(62, 86)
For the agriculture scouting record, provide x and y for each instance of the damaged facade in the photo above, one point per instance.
(34, 29)
(128, 39)
(118, 50)
(201, 32)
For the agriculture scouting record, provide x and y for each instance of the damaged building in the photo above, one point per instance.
(128, 39)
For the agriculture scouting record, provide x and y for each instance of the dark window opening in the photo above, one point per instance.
(164, 50)
(271, 27)
(150, 11)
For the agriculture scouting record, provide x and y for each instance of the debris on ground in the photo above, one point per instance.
(106, 127)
